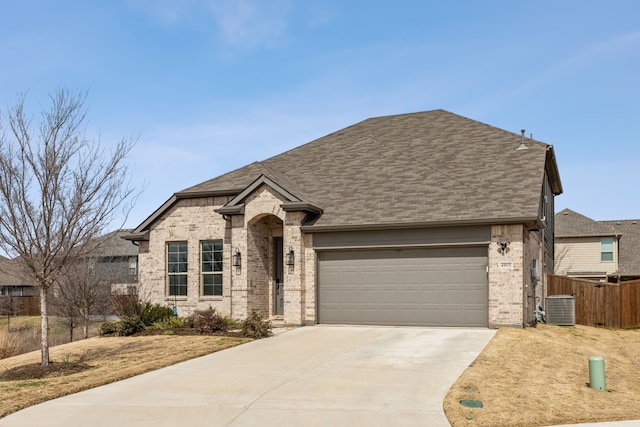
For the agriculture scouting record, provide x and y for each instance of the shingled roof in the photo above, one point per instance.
(12, 273)
(572, 224)
(431, 167)
(629, 249)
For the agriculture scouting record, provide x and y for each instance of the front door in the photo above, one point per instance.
(278, 270)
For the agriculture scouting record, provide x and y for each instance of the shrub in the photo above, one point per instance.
(152, 313)
(256, 328)
(130, 325)
(208, 321)
(173, 322)
(130, 305)
(231, 323)
(109, 327)
(126, 305)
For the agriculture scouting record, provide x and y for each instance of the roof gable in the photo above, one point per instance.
(292, 202)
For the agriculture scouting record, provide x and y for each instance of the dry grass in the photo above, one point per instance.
(110, 359)
(539, 376)
(524, 377)
(22, 334)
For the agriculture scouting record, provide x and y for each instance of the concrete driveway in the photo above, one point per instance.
(312, 376)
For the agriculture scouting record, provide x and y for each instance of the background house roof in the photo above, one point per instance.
(432, 166)
(13, 274)
(112, 245)
(629, 249)
(572, 224)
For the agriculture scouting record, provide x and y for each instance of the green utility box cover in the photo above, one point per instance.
(471, 403)
(596, 373)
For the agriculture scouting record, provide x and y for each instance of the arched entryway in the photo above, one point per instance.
(265, 287)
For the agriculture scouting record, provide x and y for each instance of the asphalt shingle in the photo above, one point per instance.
(432, 166)
(572, 224)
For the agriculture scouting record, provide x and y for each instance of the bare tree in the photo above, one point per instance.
(81, 291)
(8, 308)
(66, 312)
(560, 260)
(58, 191)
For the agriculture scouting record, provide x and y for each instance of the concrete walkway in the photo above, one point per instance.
(312, 376)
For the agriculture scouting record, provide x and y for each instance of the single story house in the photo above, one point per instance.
(602, 251)
(14, 281)
(427, 218)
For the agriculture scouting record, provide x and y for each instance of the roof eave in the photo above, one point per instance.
(301, 206)
(553, 172)
(530, 222)
(231, 210)
(569, 236)
(136, 237)
(209, 193)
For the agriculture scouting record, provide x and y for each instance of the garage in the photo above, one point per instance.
(404, 286)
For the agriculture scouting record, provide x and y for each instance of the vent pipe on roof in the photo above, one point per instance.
(523, 145)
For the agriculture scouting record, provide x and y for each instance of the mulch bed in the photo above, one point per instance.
(36, 371)
(186, 331)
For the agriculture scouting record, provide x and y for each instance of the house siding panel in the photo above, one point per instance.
(582, 254)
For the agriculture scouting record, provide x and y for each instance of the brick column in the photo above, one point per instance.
(294, 292)
(506, 291)
(238, 275)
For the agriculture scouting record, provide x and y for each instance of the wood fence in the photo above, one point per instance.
(612, 305)
(21, 305)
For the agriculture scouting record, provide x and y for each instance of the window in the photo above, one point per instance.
(133, 266)
(606, 249)
(177, 268)
(211, 267)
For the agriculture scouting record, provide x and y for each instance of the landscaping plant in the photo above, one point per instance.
(255, 327)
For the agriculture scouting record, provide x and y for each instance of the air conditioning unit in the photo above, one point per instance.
(561, 310)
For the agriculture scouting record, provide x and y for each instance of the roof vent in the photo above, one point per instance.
(523, 145)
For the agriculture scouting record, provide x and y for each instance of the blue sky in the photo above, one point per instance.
(212, 85)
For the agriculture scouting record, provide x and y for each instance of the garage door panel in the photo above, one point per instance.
(438, 287)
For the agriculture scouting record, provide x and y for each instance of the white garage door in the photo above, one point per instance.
(429, 287)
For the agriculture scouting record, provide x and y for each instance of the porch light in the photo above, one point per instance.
(237, 259)
(290, 257)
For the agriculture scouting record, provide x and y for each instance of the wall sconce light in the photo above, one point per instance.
(290, 258)
(237, 259)
(503, 246)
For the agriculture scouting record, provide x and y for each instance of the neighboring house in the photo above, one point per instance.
(428, 218)
(116, 261)
(597, 250)
(14, 281)
(18, 295)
